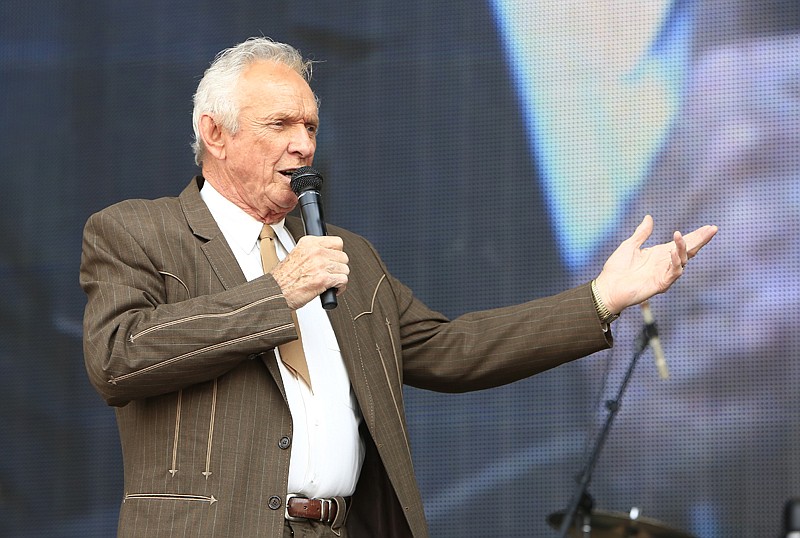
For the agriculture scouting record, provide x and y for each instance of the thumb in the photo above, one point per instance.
(642, 232)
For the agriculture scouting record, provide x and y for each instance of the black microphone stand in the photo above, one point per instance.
(582, 499)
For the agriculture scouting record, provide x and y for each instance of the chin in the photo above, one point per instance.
(273, 216)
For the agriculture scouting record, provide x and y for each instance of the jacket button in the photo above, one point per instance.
(284, 443)
(274, 502)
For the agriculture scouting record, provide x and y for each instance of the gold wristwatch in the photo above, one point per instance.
(603, 312)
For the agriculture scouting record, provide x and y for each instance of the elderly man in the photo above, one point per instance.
(195, 335)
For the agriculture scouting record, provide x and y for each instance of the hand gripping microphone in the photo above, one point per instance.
(306, 183)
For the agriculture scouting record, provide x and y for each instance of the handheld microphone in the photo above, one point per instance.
(651, 334)
(306, 183)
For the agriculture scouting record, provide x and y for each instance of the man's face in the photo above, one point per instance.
(278, 124)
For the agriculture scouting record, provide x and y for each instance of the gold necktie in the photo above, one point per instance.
(292, 353)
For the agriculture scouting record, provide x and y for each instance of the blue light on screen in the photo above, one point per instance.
(598, 104)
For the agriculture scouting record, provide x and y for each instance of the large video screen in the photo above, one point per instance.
(493, 151)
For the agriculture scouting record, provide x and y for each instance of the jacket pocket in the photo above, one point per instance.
(176, 289)
(210, 499)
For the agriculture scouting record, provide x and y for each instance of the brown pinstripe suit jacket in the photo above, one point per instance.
(177, 339)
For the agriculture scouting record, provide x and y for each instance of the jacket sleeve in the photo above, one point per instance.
(137, 344)
(494, 347)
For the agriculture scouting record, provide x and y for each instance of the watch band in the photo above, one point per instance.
(603, 312)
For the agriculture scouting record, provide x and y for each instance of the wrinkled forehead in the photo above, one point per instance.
(269, 86)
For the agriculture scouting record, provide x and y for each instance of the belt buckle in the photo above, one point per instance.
(326, 507)
(286, 510)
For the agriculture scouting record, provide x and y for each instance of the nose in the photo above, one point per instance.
(302, 142)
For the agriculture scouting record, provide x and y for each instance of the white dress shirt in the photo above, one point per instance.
(327, 452)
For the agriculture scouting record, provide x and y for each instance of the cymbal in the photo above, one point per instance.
(617, 525)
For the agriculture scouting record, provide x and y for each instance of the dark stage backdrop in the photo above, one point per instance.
(493, 151)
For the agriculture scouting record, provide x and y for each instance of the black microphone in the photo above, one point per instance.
(306, 183)
(651, 334)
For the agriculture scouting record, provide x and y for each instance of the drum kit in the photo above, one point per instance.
(603, 524)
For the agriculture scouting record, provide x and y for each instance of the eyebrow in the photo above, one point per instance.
(292, 116)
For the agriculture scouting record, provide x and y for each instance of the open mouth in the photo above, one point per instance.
(288, 173)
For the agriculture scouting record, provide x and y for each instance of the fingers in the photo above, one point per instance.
(632, 273)
(677, 263)
(314, 265)
(698, 239)
(686, 247)
(326, 260)
(680, 255)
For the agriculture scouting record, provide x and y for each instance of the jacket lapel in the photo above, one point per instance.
(219, 254)
(202, 224)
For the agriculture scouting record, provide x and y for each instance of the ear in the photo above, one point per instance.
(213, 137)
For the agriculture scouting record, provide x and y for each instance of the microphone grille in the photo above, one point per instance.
(305, 179)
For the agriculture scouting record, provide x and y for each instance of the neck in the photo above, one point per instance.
(229, 192)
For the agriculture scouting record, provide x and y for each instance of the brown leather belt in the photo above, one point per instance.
(324, 510)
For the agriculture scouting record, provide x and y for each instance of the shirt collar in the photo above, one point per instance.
(240, 229)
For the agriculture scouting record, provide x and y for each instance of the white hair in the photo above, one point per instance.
(215, 93)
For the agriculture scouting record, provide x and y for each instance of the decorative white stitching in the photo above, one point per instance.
(374, 295)
(115, 380)
(394, 350)
(394, 398)
(210, 499)
(203, 316)
(207, 472)
(179, 280)
(174, 468)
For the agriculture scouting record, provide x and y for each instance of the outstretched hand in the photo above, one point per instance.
(633, 274)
